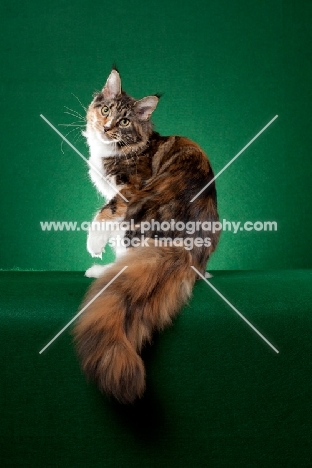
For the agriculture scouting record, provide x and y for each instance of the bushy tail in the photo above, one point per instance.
(145, 297)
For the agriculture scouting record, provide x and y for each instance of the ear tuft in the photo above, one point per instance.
(114, 67)
(145, 107)
(112, 87)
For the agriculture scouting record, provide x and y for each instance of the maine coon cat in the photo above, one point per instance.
(156, 178)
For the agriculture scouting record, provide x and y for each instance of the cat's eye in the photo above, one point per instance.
(105, 110)
(124, 122)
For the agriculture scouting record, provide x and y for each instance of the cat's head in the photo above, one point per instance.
(114, 117)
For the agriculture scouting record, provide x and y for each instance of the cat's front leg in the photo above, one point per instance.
(96, 241)
(103, 224)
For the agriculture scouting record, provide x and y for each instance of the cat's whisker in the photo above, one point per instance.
(81, 119)
(72, 130)
(77, 137)
(128, 146)
(72, 125)
(126, 158)
(115, 150)
(75, 112)
(79, 102)
(122, 150)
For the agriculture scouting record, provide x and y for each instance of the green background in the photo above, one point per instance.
(226, 68)
(217, 395)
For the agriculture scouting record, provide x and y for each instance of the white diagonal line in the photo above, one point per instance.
(235, 310)
(235, 157)
(82, 156)
(82, 310)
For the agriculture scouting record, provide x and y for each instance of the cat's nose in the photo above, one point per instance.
(108, 125)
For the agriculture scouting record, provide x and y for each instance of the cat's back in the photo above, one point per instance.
(179, 154)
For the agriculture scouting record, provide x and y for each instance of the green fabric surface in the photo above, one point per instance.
(217, 395)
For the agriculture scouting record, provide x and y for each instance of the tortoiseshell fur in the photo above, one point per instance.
(158, 176)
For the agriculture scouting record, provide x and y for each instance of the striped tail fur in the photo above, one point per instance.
(110, 333)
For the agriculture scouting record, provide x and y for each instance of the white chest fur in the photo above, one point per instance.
(100, 150)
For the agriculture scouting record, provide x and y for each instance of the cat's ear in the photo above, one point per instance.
(144, 107)
(112, 87)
